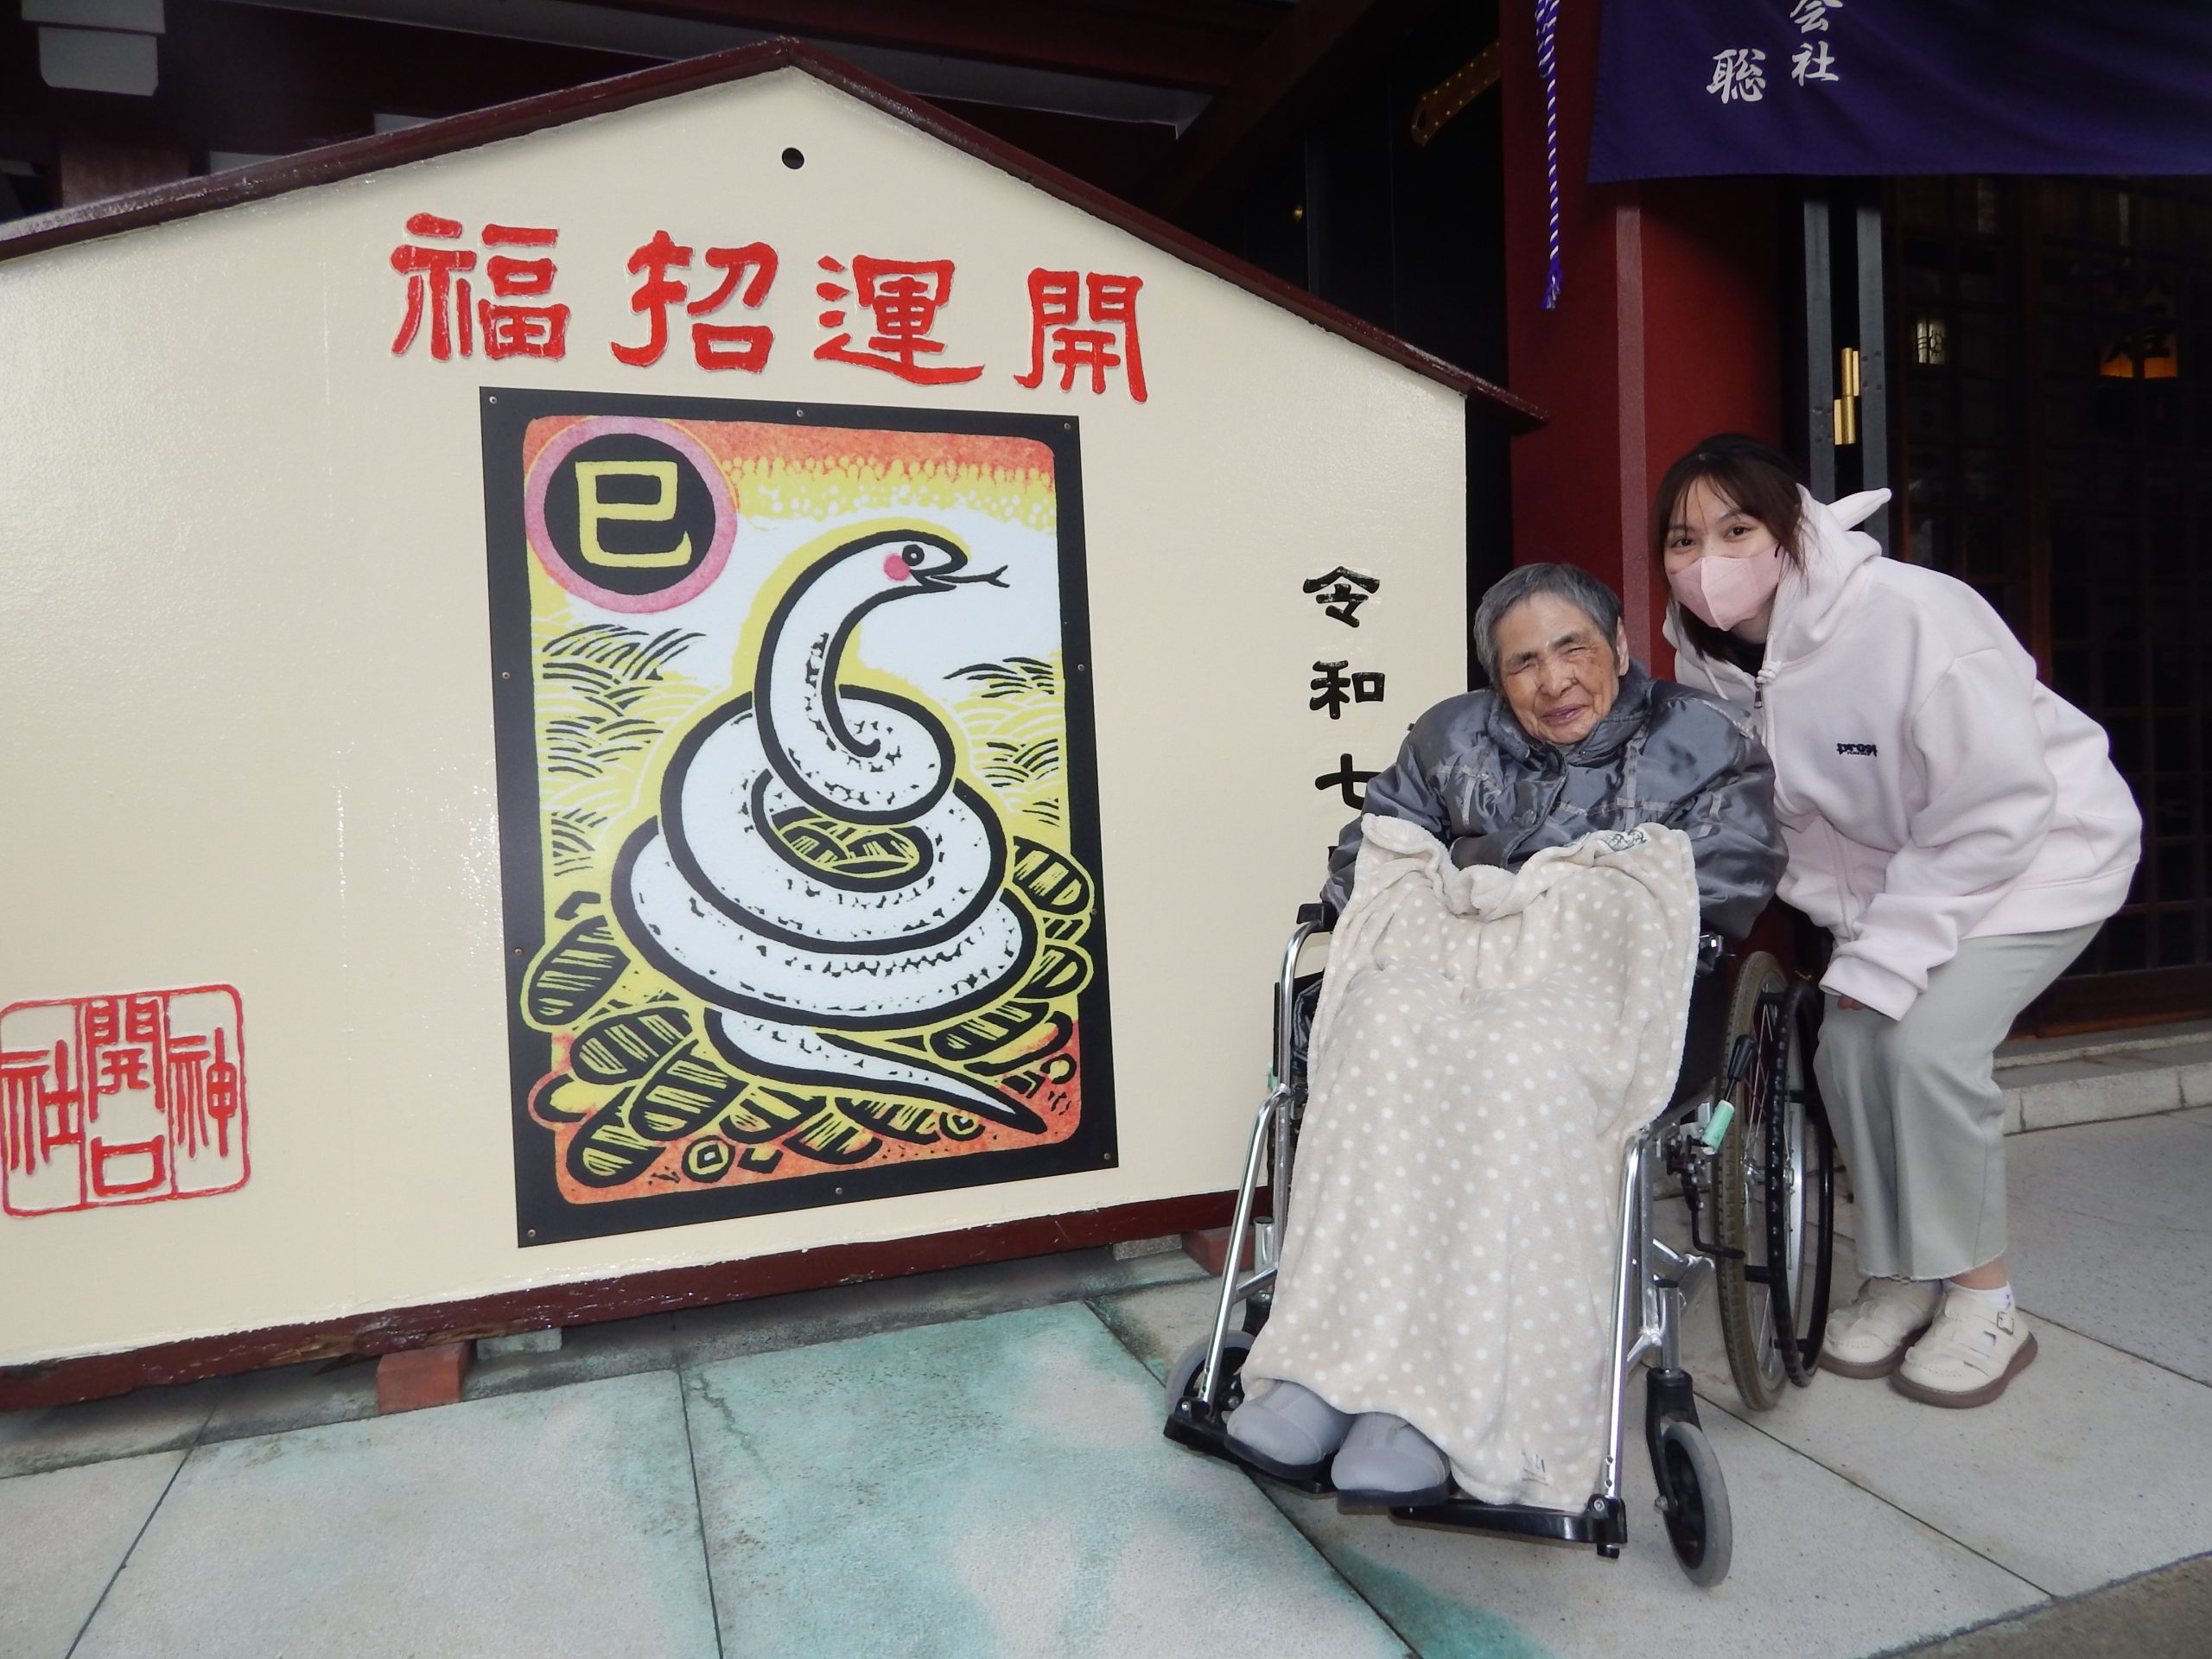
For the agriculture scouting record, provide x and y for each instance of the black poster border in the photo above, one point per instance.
(542, 1214)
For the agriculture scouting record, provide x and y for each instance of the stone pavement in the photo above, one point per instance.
(970, 1465)
(2052, 1082)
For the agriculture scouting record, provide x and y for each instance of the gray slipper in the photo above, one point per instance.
(1386, 1460)
(1288, 1430)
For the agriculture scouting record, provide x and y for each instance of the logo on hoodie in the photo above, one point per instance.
(1855, 749)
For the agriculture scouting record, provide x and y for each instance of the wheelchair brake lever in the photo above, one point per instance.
(1694, 1204)
(1739, 1063)
(1707, 1152)
(1719, 1251)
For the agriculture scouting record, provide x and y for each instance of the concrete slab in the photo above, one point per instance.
(2127, 1040)
(588, 1353)
(293, 1397)
(148, 1420)
(1130, 1250)
(560, 1524)
(2094, 1465)
(702, 1336)
(2196, 1083)
(1820, 1568)
(1156, 1324)
(62, 1537)
(1002, 1287)
(2204, 1116)
(2110, 1236)
(2096, 1089)
(992, 1486)
(2157, 1615)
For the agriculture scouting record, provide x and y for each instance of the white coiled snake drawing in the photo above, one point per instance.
(790, 954)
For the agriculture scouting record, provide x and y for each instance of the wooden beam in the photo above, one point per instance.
(1201, 44)
(1318, 47)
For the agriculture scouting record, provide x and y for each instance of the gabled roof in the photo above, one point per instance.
(459, 133)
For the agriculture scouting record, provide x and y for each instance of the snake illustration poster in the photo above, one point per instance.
(798, 818)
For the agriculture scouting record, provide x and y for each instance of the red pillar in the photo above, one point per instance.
(1666, 327)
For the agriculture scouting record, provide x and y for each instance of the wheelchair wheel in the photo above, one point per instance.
(1775, 1194)
(1182, 1375)
(1698, 1522)
(1800, 1177)
(1758, 1007)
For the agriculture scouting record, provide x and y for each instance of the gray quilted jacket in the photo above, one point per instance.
(1663, 754)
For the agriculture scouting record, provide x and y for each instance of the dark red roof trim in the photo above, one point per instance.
(459, 132)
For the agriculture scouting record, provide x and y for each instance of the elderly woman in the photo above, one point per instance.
(1575, 738)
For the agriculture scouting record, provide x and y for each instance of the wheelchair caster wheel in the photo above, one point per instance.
(1182, 1375)
(1698, 1524)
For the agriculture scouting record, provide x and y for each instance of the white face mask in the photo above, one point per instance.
(1725, 592)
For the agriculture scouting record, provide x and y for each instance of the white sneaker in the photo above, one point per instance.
(1869, 1336)
(1968, 1355)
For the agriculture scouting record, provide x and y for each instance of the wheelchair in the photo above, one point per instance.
(1745, 1143)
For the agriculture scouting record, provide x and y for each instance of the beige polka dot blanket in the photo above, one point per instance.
(1485, 1046)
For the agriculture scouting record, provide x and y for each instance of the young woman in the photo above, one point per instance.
(1957, 828)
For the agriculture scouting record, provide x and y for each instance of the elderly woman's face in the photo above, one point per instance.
(1558, 674)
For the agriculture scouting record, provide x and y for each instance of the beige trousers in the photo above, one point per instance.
(1917, 1113)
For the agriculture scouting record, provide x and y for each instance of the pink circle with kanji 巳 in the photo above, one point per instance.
(694, 581)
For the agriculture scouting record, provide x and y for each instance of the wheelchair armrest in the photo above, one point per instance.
(1322, 917)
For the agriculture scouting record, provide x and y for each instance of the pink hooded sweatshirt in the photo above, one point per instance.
(1930, 789)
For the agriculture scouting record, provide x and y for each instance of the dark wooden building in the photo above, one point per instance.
(2014, 355)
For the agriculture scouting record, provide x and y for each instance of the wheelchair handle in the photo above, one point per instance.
(1318, 915)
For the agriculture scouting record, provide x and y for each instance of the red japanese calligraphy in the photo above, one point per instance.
(522, 330)
(39, 1110)
(121, 1100)
(122, 1069)
(435, 285)
(904, 296)
(204, 1093)
(748, 271)
(153, 1172)
(730, 345)
(655, 295)
(438, 289)
(1060, 303)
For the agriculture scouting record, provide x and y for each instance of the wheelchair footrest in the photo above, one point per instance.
(1603, 1522)
(1192, 1424)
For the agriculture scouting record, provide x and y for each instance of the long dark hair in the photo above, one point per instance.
(1756, 480)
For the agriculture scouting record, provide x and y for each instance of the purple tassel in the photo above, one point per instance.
(1547, 67)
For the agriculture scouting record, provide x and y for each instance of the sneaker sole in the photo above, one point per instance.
(1866, 1369)
(1980, 1396)
(1296, 1474)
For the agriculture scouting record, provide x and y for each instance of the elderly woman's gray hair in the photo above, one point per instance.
(1579, 587)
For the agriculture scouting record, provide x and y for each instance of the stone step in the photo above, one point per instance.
(2052, 1082)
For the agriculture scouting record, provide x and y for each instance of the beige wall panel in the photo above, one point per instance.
(247, 726)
